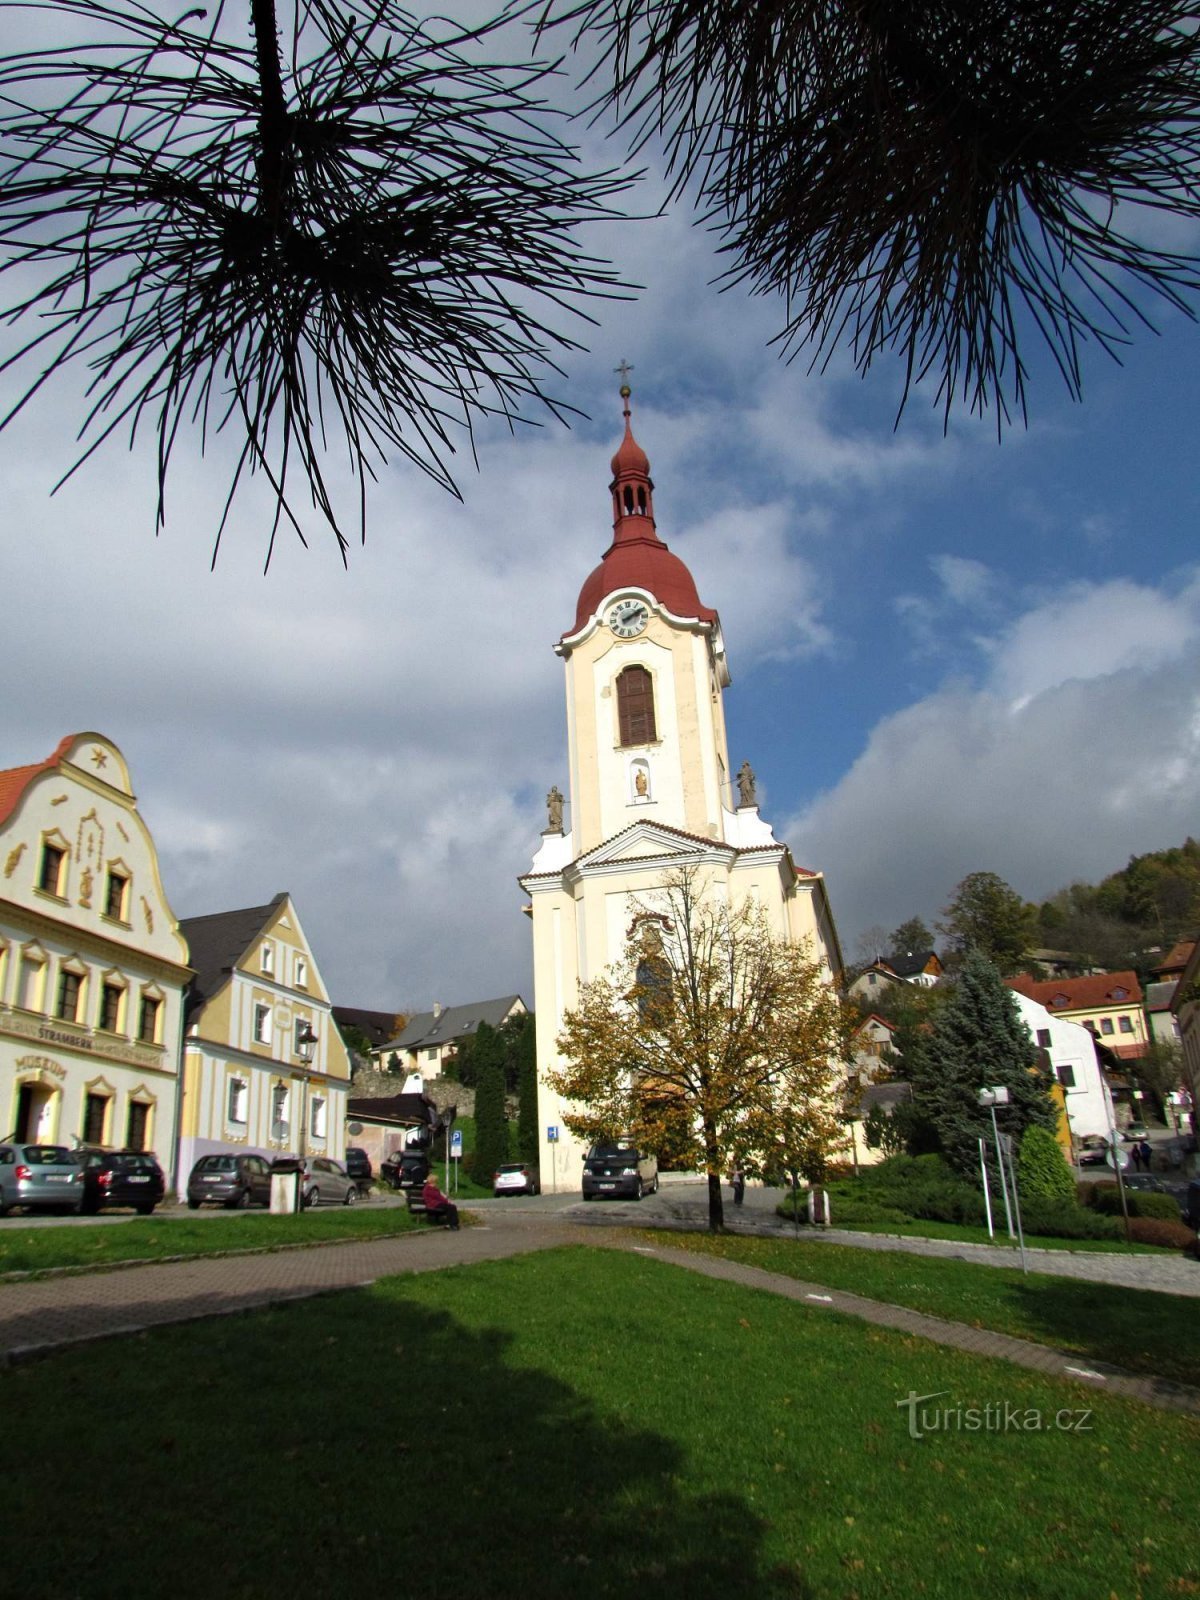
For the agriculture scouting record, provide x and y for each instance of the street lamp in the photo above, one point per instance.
(991, 1098)
(306, 1049)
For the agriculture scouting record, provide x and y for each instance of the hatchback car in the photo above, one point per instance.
(619, 1171)
(121, 1178)
(323, 1182)
(358, 1165)
(405, 1168)
(236, 1180)
(39, 1175)
(515, 1177)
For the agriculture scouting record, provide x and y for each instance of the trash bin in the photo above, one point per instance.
(285, 1192)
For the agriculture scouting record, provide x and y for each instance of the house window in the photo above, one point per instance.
(262, 1024)
(301, 973)
(137, 1126)
(1125, 1024)
(279, 1111)
(268, 959)
(112, 996)
(300, 1030)
(52, 870)
(635, 706)
(1106, 1025)
(31, 983)
(316, 1121)
(237, 1100)
(431, 1055)
(70, 987)
(1043, 1038)
(151, 1010)
(95, 1118)
(116, 894)
(1066, 1075)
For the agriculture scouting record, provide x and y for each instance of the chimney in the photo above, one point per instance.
(437, 1009)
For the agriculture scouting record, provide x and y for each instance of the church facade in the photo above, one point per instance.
(651, 790)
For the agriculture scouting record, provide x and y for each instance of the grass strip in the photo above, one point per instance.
(967, 1233)
(166, 1237)
(586, 1421)
(1141, 1330)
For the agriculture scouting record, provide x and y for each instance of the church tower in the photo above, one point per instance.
(650, 788)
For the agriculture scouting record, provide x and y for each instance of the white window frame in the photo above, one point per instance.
(280, 1110)
(301, 977)
(237, 1099)
(261, 1024)
(318, 1117)
(267, 959)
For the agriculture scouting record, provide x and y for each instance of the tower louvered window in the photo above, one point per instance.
(635, 706)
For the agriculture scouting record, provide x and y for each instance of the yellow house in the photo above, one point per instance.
(651, 788)
(92, 962)
(264, 1066)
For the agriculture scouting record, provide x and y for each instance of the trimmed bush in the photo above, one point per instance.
(1142, 1203)
(1063, 1219)
(1167, 1235)
(1042, 1169)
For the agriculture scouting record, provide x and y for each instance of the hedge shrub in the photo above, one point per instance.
(1168, 1235)
(1142, 1203)
(1042, 1169)
(1063, 1219)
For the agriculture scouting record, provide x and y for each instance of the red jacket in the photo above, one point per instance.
(433, 1196)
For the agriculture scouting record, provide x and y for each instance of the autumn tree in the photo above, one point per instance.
(985, 914)
(711, 1035)
(912, 936)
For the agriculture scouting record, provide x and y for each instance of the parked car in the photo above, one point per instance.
(234, 1179)
(515, 1177)
(1191, 1205)
(1137, 1130)
(1144, 1181)
(405, 1168)
(358, 1165)
(323, 1182)
(121, 1178)
(1104, 1157)
(619, 1171)
(39, 1175)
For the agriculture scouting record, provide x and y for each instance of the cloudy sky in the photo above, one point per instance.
(948, 654)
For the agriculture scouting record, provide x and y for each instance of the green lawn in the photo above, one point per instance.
(967, 1233)
(160, 1237)
(582, 1422)
(1133, 1328)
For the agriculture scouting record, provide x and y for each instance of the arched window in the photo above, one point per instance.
(635, 706)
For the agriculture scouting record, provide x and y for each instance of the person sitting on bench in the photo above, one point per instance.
(437, 1207)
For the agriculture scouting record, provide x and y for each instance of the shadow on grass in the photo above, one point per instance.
(358, 1441)
(1136, 1330)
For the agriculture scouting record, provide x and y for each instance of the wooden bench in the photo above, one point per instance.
(417, 1208)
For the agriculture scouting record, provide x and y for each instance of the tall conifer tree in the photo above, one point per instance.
(491, 1124)
(978, 1040)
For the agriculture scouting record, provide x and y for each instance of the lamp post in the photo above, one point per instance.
(998, 1096)
(306, 1049)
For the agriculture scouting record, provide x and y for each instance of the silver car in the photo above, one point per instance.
(39, 1175)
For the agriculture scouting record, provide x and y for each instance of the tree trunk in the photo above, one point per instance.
(716, 1204)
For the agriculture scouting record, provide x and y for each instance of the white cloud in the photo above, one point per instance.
(1098, 758)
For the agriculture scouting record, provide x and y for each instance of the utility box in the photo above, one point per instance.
(285, 1192)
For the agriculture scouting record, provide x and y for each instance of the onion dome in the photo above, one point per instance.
(637, 557)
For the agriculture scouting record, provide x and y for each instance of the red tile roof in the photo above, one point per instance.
(15, 780)
(1092, 993)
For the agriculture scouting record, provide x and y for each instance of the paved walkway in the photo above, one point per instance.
(1168, 1274)
(38, 1316)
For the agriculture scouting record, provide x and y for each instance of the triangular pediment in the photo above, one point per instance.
(652, 840)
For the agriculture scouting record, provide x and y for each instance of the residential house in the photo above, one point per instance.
(1071, 1051)
(1186, 1005)
(1107, 1003)
(383, 1125)
(376, 1026)
(265, 1068)
(922, 967)
(92, 963)
(430, 1038)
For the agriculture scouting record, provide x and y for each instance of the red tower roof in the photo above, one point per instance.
(637, 558)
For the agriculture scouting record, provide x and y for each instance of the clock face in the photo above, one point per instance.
(627, 618)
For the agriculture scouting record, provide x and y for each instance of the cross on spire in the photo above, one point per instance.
(623, 372)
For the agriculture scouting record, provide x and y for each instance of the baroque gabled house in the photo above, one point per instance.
(92, 962)
(265, 1068)
(651, 789)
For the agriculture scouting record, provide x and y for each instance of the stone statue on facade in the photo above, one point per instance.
(745, 783)
(554, 805)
